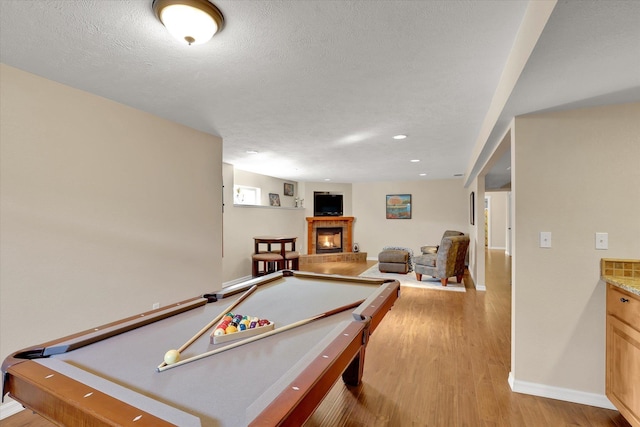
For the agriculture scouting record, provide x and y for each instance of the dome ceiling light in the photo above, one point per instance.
(190, 21)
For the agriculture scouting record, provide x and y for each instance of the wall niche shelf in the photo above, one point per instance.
(291, 208)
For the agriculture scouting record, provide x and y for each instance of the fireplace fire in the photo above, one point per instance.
(329, 240)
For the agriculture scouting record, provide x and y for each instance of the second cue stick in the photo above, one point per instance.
(258, 337)
(214, 321)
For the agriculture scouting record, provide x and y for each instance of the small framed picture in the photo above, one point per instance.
(472, 208)
(274, 199)
(288, 189)
(398, 206)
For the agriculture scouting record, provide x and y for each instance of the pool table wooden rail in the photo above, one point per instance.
(300, 398)
(65, 401)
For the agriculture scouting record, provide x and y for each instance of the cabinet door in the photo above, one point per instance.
(623, 369)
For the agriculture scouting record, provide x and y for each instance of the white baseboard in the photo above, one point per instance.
(9, 408)
(478, 286)
(558, 393)
(236, 281)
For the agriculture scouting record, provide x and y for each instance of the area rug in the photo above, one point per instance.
(409, 280)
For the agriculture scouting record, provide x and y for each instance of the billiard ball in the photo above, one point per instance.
(171, 357)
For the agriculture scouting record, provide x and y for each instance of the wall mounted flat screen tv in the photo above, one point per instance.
(327, 204)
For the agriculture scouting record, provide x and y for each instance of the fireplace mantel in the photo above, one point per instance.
(346, 222)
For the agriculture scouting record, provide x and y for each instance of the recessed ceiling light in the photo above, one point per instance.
(415, 160)
(327, 179)
(252, 152)
(399, 136)
(423, 174)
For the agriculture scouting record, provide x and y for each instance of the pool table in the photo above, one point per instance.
(109, 375)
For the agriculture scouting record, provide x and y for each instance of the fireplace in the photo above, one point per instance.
(328, 240)
(343, 223)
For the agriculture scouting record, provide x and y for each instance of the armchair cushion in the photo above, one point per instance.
(428, 260)
(429, 249)
(434, 249)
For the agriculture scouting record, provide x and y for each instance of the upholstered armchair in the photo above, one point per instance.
(434, 249)
(448, 261)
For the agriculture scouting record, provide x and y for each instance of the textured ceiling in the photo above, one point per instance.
(318, 88)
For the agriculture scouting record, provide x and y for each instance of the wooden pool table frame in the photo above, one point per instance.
(26, 381)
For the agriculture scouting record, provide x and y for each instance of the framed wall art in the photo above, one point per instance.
(274, 199)
(288, 189)
(472, 208)
(398, 206)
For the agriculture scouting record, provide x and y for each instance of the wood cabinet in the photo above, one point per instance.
(623, 352)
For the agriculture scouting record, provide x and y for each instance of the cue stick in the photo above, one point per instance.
(258, 337)
(214, 321)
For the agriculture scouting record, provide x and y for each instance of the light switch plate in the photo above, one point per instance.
(602, 240)
(545, 239)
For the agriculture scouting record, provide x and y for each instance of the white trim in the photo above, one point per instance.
(478, 286)
(236, 281)
(487, 221)
(559, 393)
(9, 408)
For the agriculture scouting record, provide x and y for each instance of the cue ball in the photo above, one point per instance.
(171, 357)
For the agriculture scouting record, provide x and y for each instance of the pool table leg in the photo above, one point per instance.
(353, 374)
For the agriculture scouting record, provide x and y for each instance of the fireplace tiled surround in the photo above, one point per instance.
(315, 222)
(344, 222)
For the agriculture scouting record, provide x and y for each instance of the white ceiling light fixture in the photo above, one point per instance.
(399, 136)
(190, 21)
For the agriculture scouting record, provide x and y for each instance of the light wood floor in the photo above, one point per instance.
(438, 359)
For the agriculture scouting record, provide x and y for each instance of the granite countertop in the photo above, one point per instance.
(623, 273)
(629, 284)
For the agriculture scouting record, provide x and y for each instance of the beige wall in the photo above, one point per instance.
(104, 210)
(575, 173)
(437, 205)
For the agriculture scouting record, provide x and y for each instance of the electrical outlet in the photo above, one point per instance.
(602, 240)
(545, 239)
(155, 305)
